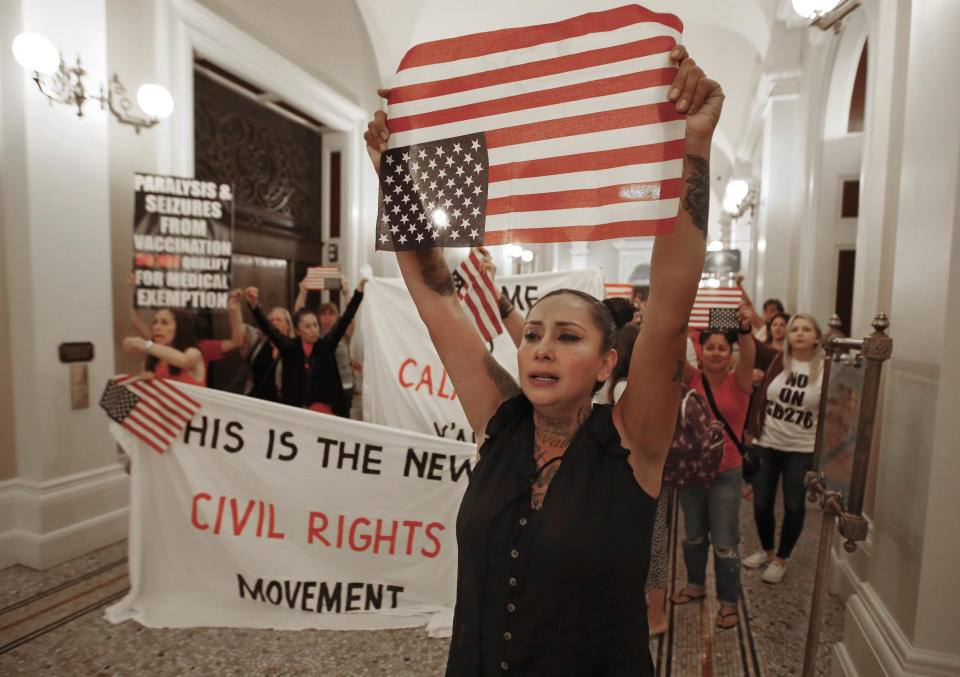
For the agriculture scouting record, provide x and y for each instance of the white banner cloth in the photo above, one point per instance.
(404, 383)
(267, 516)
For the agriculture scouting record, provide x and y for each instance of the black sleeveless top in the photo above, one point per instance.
(559, 591)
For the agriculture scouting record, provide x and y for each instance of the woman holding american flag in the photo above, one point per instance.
(554, 529)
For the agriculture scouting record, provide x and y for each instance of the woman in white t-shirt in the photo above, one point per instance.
(782, 426)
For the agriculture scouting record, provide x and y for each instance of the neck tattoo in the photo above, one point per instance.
(551, 438)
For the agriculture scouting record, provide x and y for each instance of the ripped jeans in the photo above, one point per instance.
(714, 515)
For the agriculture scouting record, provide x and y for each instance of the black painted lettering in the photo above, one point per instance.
(308, 594)
(371, 459)
(420, 462)
(285, 441)
(327, 443)
(436, 466)
(232, 430)
(353, 596)
(256, 592)
(374, 597)
(329, 598)
(201, 430)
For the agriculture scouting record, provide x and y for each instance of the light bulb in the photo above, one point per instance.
(737, 190)
(155, 100)
(526, 256)
(809, 9)
(439, 218)
(35, 53)
(731, 206)
(715, 246)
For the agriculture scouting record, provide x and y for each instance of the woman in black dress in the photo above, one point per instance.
(554, 528)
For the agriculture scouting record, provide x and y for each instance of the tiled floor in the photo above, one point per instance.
(51, 623)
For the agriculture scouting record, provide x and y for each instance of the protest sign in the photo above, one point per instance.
(267, 516)
(182, 243)
(405, 385)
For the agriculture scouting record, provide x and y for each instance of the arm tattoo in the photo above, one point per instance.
(697, 199)
(436, 274)
(679, 375)
(505, 384)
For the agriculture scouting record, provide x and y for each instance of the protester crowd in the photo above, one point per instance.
(759, 384)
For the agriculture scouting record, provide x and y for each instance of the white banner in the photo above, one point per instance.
(404, 383)
(268, 516)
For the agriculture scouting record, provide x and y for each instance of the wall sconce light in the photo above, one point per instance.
(825, 14)
(37, 55)
(739, 197)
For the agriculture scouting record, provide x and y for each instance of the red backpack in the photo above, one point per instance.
(697, 445)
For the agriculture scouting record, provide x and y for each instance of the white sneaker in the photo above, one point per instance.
(774, 572)
(756, 560)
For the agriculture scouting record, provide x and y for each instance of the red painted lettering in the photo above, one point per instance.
(313, 531)
(194, 517)
(425, 377)
(436, 541)
(403, 366)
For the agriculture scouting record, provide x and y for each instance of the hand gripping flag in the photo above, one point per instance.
(155, 411)
(557, 132)
(716, 308)
(479, 295)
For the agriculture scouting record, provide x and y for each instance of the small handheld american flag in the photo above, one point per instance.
(716, 308)
(316, 276)
(479, 295)
(613, 289)
(154, 411)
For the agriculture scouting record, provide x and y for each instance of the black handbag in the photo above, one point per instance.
(751, 457)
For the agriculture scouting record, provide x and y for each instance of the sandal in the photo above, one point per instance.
(723, 619)
(684, 596)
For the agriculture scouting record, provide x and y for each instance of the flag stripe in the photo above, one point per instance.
(143, 411)
(478, 289)
(585, 216)
(555, 84)
(594, 142)
(616, 111)
(145, 402)
(477, 317)
(593, 197)
(584, 91)
(596, 179)
(489, 42)
(148, 391)
(164, 398)
(583, 124)
(600, 231)
(536, 69)
(185, 400)
(588, 162)
(146, 429)
(143, 438)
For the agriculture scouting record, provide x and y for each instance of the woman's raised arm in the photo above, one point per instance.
(646, 413)
(481, 383)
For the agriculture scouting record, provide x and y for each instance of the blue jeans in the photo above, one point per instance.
(792, 465)
(714, 515)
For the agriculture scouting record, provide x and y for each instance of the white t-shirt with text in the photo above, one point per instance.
(793, 402)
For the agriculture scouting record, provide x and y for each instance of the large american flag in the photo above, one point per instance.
(155, 411)
(567, 127)
(716, 308)
(479, 295)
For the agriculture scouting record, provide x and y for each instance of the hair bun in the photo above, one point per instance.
(622, 310)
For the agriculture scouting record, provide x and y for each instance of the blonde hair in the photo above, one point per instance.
(286, 315)
(816, 357)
